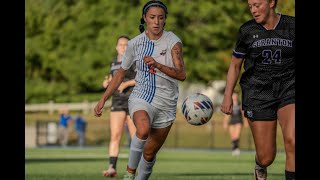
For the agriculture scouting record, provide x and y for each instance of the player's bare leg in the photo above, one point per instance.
(142, 123)
(286, 116)
(155, 141)
(131, 126)
(117, 120)
(235, 132)
(264, 136)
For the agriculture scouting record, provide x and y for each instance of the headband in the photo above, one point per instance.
(155, 4)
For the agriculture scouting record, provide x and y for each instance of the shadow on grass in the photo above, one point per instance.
(37, 160)
(212, 176)
(216, 174)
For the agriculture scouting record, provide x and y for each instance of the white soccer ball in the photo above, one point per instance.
(197, 109)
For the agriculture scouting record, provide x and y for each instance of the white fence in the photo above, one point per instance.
(85, 107)
(213, 90)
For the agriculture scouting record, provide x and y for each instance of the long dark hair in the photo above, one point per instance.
(146, 7)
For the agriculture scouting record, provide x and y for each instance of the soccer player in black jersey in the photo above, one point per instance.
(119, 111)
(266, 46)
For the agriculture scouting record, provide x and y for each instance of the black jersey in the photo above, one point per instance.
(129, 75)
(269, 60)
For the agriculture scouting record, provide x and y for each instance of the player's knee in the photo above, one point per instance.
(148, 156)
(115, 136)
(142, 132)
(266, 159)
(289, 144)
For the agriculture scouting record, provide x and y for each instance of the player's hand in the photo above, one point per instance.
(122, 87)
(149, 61)
(227, 105)
(98, 108)
(105, 83)
(151, 64)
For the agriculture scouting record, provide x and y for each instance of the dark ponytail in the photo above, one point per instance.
(141, 26)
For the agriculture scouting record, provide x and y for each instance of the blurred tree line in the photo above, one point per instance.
(69, 44)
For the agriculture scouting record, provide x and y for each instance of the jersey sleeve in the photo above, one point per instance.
(240, 48)
(173, 40)
(128, 57)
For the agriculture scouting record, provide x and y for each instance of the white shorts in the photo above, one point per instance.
(158, 118)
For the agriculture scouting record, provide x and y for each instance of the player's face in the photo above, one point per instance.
(122, 46)
(155, 19)
(260, 9)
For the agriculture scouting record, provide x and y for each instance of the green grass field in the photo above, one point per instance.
(192, 164)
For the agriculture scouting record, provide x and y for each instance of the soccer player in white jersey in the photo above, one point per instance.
(152, 104)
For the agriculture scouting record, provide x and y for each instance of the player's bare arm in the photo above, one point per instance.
(177, 57)
(112, 86)
(233, 75)
(178, 71)
(126, 84)
(232, 78)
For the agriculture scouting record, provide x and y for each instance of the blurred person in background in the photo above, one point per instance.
(233, 123)
(80, 125)
(64, 121)
(119, 113)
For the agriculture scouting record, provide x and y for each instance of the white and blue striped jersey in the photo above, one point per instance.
(155, 87)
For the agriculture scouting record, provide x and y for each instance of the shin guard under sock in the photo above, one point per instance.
(136, 150)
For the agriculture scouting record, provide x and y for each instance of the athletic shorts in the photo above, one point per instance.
(264, 102)
(158, 118)
(235, 120)
(119, 105)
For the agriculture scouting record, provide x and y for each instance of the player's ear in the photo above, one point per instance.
(144, 18)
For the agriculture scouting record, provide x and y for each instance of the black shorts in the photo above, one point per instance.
(120, 105)
(235, 121)
(263, 103)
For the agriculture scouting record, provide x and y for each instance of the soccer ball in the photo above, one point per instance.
(197, 109)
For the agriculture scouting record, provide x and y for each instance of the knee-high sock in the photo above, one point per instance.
(113, 161)
(290, 175)
(145, 168)
(235, 144)
(136, 149)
